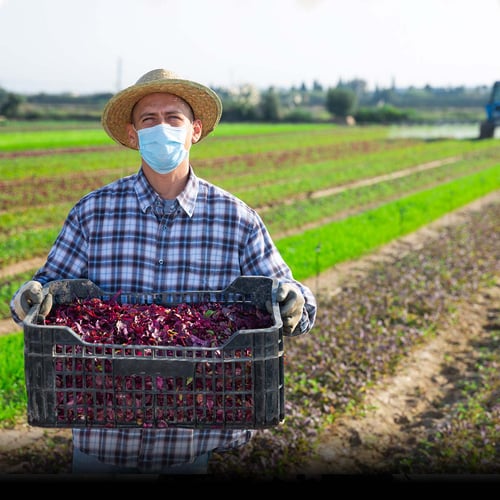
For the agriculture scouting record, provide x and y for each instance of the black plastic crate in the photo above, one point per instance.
(73, 383)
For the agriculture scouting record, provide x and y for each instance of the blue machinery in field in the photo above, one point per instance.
(487, 127)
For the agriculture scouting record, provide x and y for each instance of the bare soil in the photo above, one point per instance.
(399, 410)
(402, 410)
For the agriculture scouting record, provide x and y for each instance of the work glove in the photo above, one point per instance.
(28, 296)
(291, 304)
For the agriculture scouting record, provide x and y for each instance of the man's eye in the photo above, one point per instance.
(175, 120)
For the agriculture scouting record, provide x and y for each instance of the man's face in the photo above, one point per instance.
(158, 108)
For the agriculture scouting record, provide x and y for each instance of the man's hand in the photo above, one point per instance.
(291, 303)
(28, 296)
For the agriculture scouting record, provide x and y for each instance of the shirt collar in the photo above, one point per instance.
(187, 199)
(147, 196)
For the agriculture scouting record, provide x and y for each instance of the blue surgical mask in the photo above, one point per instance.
(162, 147)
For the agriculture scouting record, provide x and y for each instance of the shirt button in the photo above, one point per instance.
(160, 262)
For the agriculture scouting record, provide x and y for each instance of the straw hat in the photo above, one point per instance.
(204, 102)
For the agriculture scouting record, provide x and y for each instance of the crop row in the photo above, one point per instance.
(362, 334)
(285, 217)
(304, 185)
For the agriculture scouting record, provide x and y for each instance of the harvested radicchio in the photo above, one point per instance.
(91, 390)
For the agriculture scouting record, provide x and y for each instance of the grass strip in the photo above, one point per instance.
(49, 139)
(13, 399)
(318, 249)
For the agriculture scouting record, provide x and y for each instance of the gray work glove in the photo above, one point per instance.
(29, 295)
(291, 303)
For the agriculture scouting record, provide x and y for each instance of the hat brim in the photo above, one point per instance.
(204, 102)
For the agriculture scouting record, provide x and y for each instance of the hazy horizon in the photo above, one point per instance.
(100, 46)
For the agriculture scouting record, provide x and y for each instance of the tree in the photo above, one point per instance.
(270, 106)
(341, 102)
(317, 86)
(9, 104)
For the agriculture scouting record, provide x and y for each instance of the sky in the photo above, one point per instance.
(95, 46)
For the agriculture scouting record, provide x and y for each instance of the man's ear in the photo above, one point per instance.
(197, 128)
(132, 136)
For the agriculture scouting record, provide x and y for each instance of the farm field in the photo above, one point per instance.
(330, 196)
(326, 193)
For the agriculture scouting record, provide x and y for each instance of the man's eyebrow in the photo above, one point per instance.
(146, 114)
(154, 112)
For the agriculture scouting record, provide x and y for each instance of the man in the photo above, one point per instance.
(162, 229)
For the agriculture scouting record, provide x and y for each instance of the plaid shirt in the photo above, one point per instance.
(123, 238)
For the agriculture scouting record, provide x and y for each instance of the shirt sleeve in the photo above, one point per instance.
(67, 258)
(262, 257)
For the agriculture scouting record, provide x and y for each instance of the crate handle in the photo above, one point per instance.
(153, 367)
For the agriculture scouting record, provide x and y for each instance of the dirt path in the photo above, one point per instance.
(399, 410)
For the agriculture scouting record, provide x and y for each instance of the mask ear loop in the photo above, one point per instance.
(135, 141)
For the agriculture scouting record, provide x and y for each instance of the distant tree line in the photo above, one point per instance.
(296, 104)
